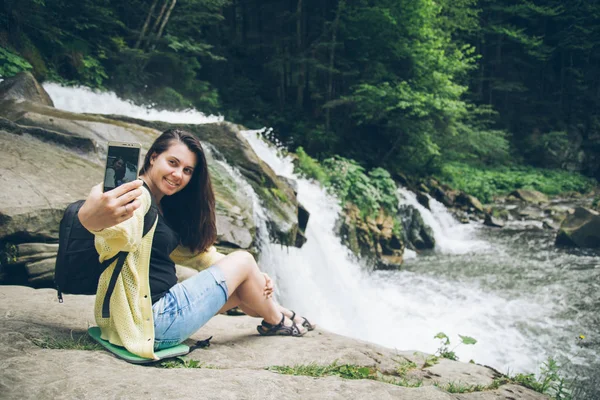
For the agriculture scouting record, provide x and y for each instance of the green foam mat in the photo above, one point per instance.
(122, 353)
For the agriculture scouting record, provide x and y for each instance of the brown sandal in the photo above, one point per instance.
(267, 329)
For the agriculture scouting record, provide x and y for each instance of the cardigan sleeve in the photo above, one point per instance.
(125, 236)
(198, 261)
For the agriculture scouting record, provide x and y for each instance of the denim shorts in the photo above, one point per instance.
(187, 306)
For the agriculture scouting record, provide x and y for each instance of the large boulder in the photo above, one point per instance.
(23, 86)
(39, 334)
(416, 233)
(580, 229)
(491, 220)
(469, 203)
(373, 239)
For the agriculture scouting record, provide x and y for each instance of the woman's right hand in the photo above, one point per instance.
(103, 210)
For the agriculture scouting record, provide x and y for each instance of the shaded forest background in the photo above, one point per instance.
(414, 86)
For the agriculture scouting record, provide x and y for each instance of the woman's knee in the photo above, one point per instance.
(245, 259)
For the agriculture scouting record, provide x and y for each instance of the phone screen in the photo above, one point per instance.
(121, 165)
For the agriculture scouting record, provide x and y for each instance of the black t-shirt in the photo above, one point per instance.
(162, 268)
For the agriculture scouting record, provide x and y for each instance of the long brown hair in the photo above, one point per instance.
(191, 211)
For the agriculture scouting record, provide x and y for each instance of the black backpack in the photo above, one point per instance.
(78, 268)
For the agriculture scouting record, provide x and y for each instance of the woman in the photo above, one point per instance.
(149, 309)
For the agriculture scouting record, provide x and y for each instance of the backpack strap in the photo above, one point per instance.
(149, 220)
(151, 215)
(113, 280)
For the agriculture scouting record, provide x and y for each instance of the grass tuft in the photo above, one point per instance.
(346, 371)
(180, 362)
(74, 342)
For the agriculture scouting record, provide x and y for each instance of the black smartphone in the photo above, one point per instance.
(122, 164)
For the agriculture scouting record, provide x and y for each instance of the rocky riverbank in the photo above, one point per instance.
(38, 336)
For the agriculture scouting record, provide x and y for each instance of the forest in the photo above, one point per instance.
(418, 87)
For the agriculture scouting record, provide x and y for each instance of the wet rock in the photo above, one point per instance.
(423, 199)
(23, 86)
(469, 202)
(400, 178)
(291, 183)
(446, 198)
(303, 217)
(417, 234)
(531, 213)
(423, 188)
(530, 196)
(550, 224)
(580, 229)
(371, 238)
(493, 221)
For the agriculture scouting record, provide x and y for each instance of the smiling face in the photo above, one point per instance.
(171, 170)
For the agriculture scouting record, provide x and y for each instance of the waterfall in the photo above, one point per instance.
(85, 100)
(451, 236)
(324, 281)
(397, 309)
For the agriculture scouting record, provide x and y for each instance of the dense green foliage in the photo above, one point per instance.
(351, 183)
(485, 183)
(406, 85)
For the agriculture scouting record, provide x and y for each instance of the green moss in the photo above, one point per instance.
(309, 167)
(279, 194)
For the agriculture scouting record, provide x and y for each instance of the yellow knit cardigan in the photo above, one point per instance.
(130, 323)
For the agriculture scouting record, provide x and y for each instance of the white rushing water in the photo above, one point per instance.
(323, 281)
(450, 236)
(400, 309)
(85, 100)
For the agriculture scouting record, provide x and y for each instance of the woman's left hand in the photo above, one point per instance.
(269, 287)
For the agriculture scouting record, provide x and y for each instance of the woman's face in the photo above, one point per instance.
(172, 170)
(118, 164)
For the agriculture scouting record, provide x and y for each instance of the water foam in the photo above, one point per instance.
(397, 309)
(451, 236)
(85, 100)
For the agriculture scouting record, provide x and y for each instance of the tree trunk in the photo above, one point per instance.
(157, 22)
(336, 22)
(301, 57)
(146, 23)
(166, 19)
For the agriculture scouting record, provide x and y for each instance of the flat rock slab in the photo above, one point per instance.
(234, 365)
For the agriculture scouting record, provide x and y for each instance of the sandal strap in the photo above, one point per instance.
(271, 326)
(267, 329)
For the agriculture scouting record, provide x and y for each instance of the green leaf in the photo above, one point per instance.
(467, 339)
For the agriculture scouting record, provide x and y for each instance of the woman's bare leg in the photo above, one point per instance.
(234, 301)
(245, 284)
